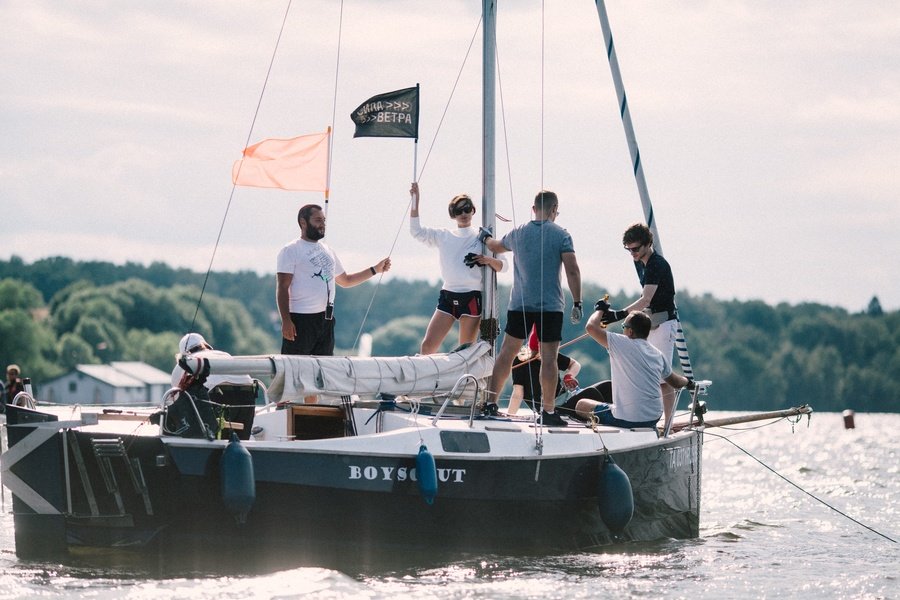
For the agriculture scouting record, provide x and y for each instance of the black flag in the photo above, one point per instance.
(394, 114)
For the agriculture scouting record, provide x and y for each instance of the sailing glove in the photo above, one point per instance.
(602, 305)
(570, 382)
(577, 313)
(470, 260)
(484, 234)
(613, 316)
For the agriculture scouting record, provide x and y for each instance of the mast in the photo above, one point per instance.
(625, 113)
(490, 329)
(680, 341)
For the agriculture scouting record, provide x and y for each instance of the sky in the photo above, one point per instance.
(769, 133)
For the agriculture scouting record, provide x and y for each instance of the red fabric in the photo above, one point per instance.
(533, 342)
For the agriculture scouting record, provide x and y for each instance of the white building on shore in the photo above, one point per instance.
(118, 383)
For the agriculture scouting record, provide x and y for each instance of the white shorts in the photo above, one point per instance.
(663, 338)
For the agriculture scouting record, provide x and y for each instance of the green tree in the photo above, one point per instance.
(74, 351)
(15, 293)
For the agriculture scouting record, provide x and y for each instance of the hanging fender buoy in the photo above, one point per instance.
(426, 474)
(614, 496)
(238, 481)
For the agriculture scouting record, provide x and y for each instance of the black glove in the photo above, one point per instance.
(601, 306)
(484, 234)
(612, 316)
(470, 260)
(691, 384)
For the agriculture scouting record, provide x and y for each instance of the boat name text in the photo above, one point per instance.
(402, 474)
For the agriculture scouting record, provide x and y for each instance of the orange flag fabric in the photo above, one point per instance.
(297, 164)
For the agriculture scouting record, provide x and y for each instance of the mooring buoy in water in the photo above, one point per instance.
(238, 481)
(848, 419)
(426, 474)
(614, 496)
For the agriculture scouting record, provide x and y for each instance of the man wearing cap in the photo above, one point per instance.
(193, 344)
(234, 396)
(307, 270)
(14, 384)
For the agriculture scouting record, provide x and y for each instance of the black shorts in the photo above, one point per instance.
(315, 335)
(460, 304)
(549, 325)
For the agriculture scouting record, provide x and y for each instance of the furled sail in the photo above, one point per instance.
(299, 376)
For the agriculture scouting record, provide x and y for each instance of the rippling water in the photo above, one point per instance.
(760, 537)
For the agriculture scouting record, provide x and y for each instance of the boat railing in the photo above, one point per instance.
(700, 387)
(455, 393)
(24, 399)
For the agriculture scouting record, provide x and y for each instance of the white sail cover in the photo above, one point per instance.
(299, 376)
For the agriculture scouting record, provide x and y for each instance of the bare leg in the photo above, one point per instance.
(549, 374)
(438, 327)
(468, 329)
(503, 365)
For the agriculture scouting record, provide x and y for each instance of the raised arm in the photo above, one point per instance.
(414, 204)
(595, 329)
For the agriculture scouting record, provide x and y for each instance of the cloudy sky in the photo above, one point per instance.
(769, 131)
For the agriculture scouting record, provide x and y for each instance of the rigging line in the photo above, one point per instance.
(424, 162)
(450, 98)
(337, 70)
(810, 494)
(262, 93)
(561, 346)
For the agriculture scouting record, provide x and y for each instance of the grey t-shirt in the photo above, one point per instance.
(537, 248)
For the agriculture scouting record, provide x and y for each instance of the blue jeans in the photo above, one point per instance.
(604, 415)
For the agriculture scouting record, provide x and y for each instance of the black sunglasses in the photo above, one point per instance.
(466, 208)
(633, 249)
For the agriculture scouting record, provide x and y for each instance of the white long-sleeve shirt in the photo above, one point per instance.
(453, 245)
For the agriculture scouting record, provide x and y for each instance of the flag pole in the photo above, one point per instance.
(328, 173)
(416, 146)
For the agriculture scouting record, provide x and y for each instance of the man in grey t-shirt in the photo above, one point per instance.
(541, 249)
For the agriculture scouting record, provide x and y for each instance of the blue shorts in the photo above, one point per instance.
(604, 415)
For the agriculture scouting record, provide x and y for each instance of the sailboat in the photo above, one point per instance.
(397, 454)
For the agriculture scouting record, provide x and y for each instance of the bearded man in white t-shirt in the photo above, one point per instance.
(307, 270)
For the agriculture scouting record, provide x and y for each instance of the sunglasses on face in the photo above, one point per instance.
(465, 208)
(633, 249)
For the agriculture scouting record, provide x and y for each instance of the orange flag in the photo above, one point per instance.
(297, 164)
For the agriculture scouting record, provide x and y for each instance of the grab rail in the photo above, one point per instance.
(450, 397)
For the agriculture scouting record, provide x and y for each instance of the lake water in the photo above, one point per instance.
(760, 537)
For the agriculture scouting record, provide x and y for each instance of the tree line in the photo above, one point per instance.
(56, 313)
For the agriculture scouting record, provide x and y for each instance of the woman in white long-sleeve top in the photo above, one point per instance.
(460, 252)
